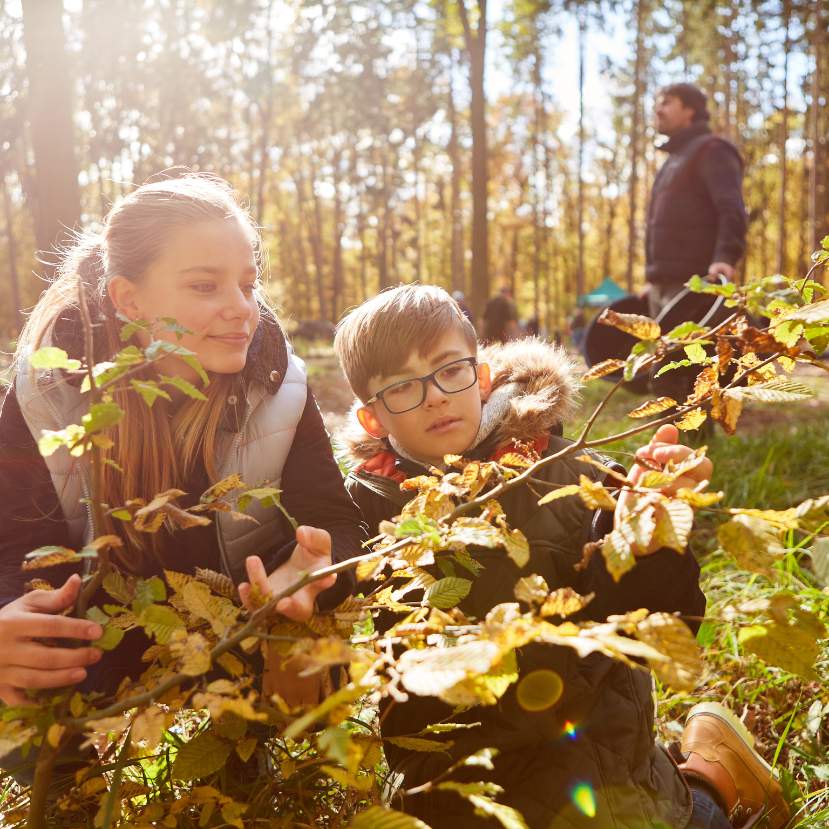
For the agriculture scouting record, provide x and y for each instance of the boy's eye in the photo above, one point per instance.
(450, 371)
(400, 388)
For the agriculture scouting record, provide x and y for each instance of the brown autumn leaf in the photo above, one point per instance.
(706, 381)
(531, 590)
(37, 584)
(56, 555)
(217, 582)
(603, 369)
(193, 652)
(643, 328)
(222, 488)
(726, 409)
(514, 459)
(419, 483)
(671, 637)
(653, 407)
(725, 353)
(105, 541)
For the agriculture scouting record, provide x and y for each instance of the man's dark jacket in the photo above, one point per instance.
(696, 214)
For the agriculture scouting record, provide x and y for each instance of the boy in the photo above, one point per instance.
(411, 358)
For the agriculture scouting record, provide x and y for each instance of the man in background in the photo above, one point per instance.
(696, 219)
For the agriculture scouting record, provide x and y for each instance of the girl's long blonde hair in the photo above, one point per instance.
(157, 447)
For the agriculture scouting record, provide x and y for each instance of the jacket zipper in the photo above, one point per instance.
(224, 474)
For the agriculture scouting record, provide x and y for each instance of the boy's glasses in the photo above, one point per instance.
(451, 378)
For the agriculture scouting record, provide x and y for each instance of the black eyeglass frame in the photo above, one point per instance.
(473, 361)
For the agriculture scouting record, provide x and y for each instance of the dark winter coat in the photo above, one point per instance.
(600, 733)
(696, 214)
(31, 515)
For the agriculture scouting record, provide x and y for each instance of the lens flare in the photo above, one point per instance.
(570, 730)
(539, 690)
(584, 799)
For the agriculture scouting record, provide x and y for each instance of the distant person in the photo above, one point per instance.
(533, 326)
(500, 318)
(696, 218)
(460, 298)
(578, 329)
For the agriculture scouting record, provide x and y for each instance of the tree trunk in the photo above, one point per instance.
(457, 261)
(476, 47)
(634, 139)
(11, 252)
(814, 211)
(784, 134)
(383, 229)
(52, 132)
(314, 238)
(338, 277)
(582, 38)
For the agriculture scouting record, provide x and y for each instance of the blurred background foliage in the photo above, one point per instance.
(386, 141)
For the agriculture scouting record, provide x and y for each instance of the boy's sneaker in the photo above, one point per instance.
(719, 750)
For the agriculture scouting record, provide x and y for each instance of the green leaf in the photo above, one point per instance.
(695, 284)
(52, 357)
(696, 353)
(110, 462)
(147, 592)
(112, 637)
(200, 757)
(334, 743)
(683, 330)
(618, 555)
(447, 592)
(149, 390)
(132, 326)
(121, 514)
(102, 416)
(669, 366)
(171, 324)
(376, 817)
(182, 385)
(161, 622)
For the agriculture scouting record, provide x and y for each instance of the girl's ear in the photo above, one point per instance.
(371, 424)
(122, 293)
(484, 381)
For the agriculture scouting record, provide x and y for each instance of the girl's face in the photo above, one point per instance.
(205, 280)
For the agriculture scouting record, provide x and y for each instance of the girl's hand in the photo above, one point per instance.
(25, 664)
(312, 553)
(662, 448)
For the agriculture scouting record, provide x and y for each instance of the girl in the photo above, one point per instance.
(184, 249)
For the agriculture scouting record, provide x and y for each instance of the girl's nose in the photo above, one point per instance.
(239, 305)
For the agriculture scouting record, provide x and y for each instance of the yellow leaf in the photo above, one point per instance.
(726, 409)
(724, 355)
(116, 585)
(564, 602)
(691, 420)
(618, 555)
(699, 500)
(661, 404)
(246, 747)
(232, 664)
(643, 328)
(376, 817)
(785, 646)
(54, 734)
(193, 652)
(531, 590)
(603, 369)
(594, 494)
(200, 602)
(514, 459)
(671, 637)
(149, 726)
(419, 744)
(706, 380)
(561, 492)
(225, 486)
(368, 568)
(517, 547)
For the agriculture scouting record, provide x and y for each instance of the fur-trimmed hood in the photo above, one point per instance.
(550, 382)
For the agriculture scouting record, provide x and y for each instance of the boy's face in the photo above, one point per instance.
(444, 424)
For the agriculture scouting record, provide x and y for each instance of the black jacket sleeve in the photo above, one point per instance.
(666, 581)
(30, 513)
(722, 172)
(313, 492)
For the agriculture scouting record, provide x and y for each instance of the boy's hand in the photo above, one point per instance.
(662, 448)
(312, 553)
(25, 664)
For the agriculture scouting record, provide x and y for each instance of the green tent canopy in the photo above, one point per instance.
(607, 292)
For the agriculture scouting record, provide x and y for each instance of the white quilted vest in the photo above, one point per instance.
(258, 452)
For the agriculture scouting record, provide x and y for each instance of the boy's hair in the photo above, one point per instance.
(377, 338)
